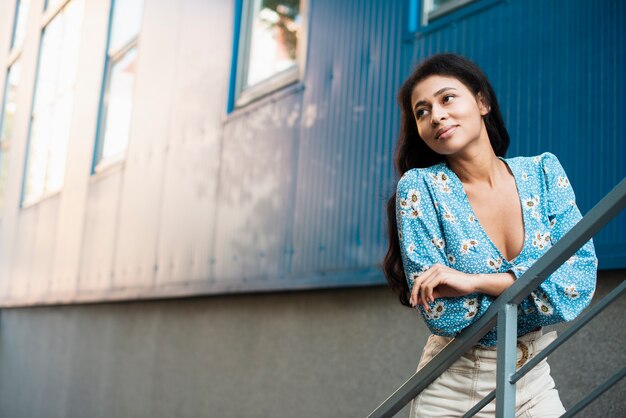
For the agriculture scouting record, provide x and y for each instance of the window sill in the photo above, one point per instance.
(108, 166)
(286, 90)
(451, 18)
(37, 201)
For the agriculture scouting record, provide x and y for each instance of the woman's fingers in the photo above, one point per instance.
(423, 300)
(414, 291)
(424, 287)
(425, 304)
(426, 290)
(437, 282)
(415, 297)
(430, 289)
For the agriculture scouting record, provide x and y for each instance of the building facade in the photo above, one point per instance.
(235, 158)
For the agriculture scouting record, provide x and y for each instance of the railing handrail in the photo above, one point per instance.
(605, 210)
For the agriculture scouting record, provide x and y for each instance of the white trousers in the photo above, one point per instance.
(473, 376)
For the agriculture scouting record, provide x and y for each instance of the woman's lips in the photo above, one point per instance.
(447, 133)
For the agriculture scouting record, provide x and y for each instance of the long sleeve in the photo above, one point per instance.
(567, 291)
(422, 244)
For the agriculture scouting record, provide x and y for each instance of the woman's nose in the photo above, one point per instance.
(437, 113)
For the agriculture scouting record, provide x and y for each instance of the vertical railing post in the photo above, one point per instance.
(507, 356)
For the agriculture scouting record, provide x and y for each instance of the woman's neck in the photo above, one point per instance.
(483, 168)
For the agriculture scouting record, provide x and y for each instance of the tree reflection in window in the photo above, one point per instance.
(274, 32)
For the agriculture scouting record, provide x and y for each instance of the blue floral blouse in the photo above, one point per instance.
(436, 224)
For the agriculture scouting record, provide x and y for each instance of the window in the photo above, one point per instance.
(270, 50)
(116, 102)
(52, 4)
(53, 103)
(7, 113)
(8, 101)
(19, 25)
(432, 9)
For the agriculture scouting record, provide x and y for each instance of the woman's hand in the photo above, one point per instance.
(441, 281)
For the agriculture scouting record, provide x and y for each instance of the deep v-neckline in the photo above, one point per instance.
(453, 175)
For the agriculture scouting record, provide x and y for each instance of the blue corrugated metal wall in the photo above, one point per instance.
(345, 152)
(558, 70)
(556, 67)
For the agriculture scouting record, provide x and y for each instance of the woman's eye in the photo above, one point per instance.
(419, 113)
(446, 97)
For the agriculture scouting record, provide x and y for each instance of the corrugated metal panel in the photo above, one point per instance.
(21, 273)
(34, 250)
(64, 271)
(345, 151)
(254, 200)
(188, 214)
(142, 186)
(43, 248)
(99, 231)
(11, 224)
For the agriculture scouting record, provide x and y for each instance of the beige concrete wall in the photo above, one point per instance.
(326, 353)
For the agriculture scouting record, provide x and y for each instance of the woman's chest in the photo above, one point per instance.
(487, 234)
(499, 214)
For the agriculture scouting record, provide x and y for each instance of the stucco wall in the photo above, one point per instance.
(327, 353)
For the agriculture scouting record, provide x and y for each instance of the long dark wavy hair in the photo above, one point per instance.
(411, 151)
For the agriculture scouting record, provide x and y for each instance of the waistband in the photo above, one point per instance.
(527, 346)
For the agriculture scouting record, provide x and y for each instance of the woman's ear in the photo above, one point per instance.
(483, 105)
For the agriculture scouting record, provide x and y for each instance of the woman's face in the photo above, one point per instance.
(448, 115)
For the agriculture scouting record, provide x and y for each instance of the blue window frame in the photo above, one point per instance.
(269, 49)
(116, 100)
(19, 24)
(7, 119)
(53, 103)
(432, 9)
(425, 16)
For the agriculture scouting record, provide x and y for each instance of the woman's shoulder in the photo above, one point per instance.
(538, 163)
(426, 178)
(421, 174)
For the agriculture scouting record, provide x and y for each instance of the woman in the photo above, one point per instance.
(465, 223)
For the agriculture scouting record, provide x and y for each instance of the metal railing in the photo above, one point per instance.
(504, 311)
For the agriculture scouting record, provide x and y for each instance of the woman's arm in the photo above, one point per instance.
(422, 246)
(442, 281)
(494, 284)
(567, 291)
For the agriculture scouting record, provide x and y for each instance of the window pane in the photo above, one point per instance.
(51, 4)
(37, 157)
(118, 105)
(72, 17)
(59, 137)
(434, 5)
(13, 79)
(127, 16)
(439, 7)
(438, 3)
(54, 96)
(49, 64)
(6, 124)
(20, 23)
(275, 29)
